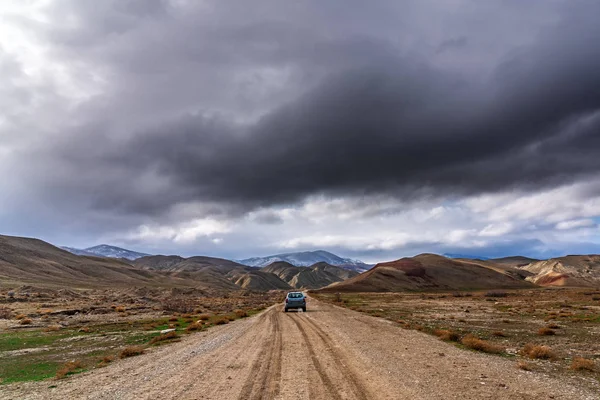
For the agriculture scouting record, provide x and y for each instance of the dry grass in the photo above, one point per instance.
(221, 320)
(546, 331)
(499, 334)
(534, 351)
(21, 316)
(241, 313)
(5, 313)
(68, 368)
(474, 343)
(131, 351)
(173, 319)
(524, 366)
(582, 364)
(52, 328)
(167, 336)
(26, 321)
(204, 317)
(196, 326)
(120, 309)
(447, 335)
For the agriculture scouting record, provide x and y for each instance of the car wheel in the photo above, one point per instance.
(303, 309)
(286, 310)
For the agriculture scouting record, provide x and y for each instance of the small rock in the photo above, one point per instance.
(166, 331)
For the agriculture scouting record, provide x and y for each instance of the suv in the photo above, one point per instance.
(295, 300)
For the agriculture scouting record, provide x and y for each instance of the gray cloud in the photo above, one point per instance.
(234, 109)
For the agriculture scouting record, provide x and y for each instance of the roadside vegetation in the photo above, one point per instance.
(551, 330)
(66, 335)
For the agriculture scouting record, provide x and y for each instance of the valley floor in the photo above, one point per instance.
(326, 353)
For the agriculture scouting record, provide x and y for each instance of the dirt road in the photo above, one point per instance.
(325, 353)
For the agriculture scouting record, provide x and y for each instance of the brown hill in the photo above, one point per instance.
(33, 261)
(428, 272)
(566, 271)
(212, 272)
(313, 277)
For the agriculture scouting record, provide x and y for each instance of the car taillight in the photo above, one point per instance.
(286, 300)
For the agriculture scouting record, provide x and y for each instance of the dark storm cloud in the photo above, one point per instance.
(355, 104)
(383, 122)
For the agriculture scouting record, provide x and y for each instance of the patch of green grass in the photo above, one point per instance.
(21, 371)
(24, 340)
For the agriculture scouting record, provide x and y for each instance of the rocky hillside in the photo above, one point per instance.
(566, 271)
(307, 259)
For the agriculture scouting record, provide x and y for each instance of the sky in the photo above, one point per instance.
(375, 130)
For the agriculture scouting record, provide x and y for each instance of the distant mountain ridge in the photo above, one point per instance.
(307, 259)
(105, 250)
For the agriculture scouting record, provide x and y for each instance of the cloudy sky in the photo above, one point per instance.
(373, 129)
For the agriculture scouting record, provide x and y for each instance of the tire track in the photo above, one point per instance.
(340, 360)
(327, 382)
(265, 373)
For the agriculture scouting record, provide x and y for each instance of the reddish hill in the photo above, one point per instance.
(428, 272)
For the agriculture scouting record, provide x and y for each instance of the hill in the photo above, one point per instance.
(428, 272)
(313, 277)
(566, 271)
(308, 258)
(33, 261)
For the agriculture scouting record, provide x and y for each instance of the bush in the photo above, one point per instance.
(475, 343)
(241, 313)
(120, 309)
(131, 351)
(447, 335)
(221, 320)
(180, 305)
(68, 369)
(524, 366)
(26, 321)
(499, 334)
(204, 317)
(5, 313)
(582, 364)
(52, 328)
(196, 326)
(167, 336)
(534, 351)
(496, 294)
(21, 316)
(545, 331)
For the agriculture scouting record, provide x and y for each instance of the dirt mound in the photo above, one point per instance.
(428, 272)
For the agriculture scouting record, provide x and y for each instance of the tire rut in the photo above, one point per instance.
(321, 371)
(265, 373)
(340, 360)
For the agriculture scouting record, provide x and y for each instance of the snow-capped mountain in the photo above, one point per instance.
(105, 250)
(308, 258)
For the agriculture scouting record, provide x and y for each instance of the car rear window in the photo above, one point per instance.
(295, 295)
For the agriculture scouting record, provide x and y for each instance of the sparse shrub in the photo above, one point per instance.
(554, 326)
(545, 331)
(196, 326)
(5, 313)
(26, 321)
(524, 366)
(204, 317)
(499, 334)
(21, 316)
(475, 343)
(166, 336)
(68, 369)
(241, 313)
(222, 320)
(596, 298)
(496, 294)
(52, 328)
(179, 304)
(447, 335)
(534, 351)
(131, 351)
(173, 319)
(582, 364)
(120, 309)
(108, 359)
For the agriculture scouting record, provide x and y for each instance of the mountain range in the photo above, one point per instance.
(27, 261)
(105, 250)
(308, 258)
